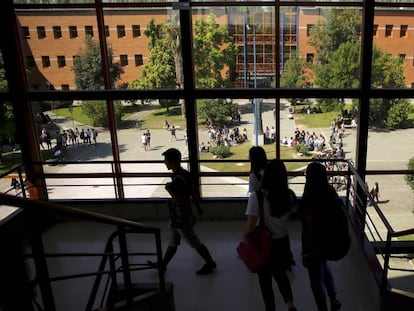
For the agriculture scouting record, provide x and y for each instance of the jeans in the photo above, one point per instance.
(280, 258)
(321, 279)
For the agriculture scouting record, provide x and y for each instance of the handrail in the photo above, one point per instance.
(360, 204)
(124, 226)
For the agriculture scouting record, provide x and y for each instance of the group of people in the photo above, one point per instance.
(270, 179)
(146, 140)
(225, 136)
(312, 141)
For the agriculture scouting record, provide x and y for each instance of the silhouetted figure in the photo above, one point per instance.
(182, 219)
(276, 200)
(318, 196)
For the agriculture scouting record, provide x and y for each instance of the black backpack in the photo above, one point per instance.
(335, 237)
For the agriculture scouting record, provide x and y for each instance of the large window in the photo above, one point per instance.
(212, 82)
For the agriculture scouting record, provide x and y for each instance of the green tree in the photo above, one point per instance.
(341, 25)
(218, 110)
(164, 67)
(7, 127)
(338, 47)
(160, 71)
(410, 178)
(88, 67)
(96, 111)
(213, 50)
(296, 74)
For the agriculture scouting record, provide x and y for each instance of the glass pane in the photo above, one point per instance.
(73, 131)
(324, 128)
(4, 86)
(390, 143)
(145, 187)
(61, 53)
(241, 54)
(329, 49)
(393, 63)
(144, 45)
(148, 128)
(10, 155)
(80, 188)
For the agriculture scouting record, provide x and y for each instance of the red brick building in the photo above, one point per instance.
(52, 39)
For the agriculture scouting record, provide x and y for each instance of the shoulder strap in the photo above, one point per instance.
(259, 195)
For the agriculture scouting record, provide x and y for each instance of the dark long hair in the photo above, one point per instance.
(317, 188)
(275, 183)
(258, 160)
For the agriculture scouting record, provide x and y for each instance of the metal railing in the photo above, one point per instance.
(119, 262)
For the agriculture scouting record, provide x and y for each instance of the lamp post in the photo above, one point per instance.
(258, 127)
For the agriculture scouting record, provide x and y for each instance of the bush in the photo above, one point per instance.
(398, 114)
(410, 178)
(221, 151)
(303, 149)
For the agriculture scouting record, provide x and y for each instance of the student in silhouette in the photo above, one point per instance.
(375, 192)
(318, 196)
(277, 202)
(258, 162)
(182, 219)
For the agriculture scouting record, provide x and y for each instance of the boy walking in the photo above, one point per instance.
(182, 219)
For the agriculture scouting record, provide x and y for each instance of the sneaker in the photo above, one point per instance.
(335, 304)
(207, 268)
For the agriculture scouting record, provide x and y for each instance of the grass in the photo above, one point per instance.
(77, 115)
(315, 120)
(155, 120)
(240, 152)
(10, 160)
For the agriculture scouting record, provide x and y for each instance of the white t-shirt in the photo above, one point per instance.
(254, 182)
(278, 227)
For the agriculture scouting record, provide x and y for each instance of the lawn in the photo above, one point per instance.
(315, 120)
(9, 161)
(241, 152)
(77, 115)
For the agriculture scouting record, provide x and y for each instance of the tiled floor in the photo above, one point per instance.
(231, 287)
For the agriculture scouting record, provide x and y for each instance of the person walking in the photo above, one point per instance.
(148, 140)
(182, 219)
(318, 196)
(276, 200)
(173, 132)
(258, 162)
(375, 192)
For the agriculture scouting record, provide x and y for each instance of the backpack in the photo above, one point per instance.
(334, 234)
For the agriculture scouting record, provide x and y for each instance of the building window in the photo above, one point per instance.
(89, 31)
(375, 31)
(136, 31)
(30, 61)
(106, 31)
(45, 61)
(26, 32)
(388, 30)
(310, 57)
(57, 32)
(138, 60)
(401, 57)
(65, 87)
(73, 32)
(41, 32)
(123, 60)
(120, 30)
(61, 61)
(403, 31)
(309, 29)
